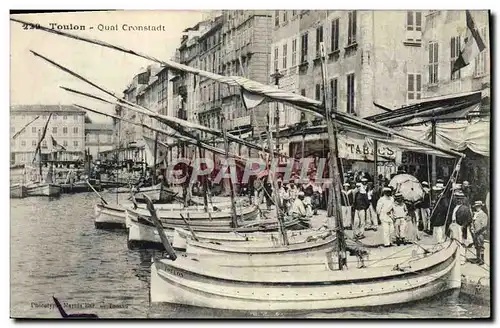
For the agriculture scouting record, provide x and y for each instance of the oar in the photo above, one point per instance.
(102, 199)
(159, 227)
(189, 227)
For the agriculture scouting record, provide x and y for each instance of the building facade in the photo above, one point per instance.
(246, 35)
(370, 58)
(99, 138)
(443, 37)
(66, 127)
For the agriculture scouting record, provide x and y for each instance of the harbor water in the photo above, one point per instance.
(56, 251)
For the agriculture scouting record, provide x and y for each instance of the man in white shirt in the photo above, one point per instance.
(298, 208)
(384, 209)
(346, 206)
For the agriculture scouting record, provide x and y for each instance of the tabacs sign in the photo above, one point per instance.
(363, 150)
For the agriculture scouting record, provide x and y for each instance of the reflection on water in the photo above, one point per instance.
(55, 250)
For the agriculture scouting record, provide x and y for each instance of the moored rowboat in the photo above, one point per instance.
(18, 191)
(180, 237)
(412, 275)
(142, 232)
(43, 189)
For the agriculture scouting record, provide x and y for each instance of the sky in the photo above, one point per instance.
(34, 81)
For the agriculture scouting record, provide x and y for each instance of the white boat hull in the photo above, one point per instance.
(109, 216)
(181, 236)
(141, 236)
(257, 289)
(45, 189)
(146, 235)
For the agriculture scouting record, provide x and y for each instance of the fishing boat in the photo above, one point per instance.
(181, 236)
(43, 189)
(157, 193)
(412, 275)
(18, 190)
(142, 232)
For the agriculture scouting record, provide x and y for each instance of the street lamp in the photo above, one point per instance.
(277, 76)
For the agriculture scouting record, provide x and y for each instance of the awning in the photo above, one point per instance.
(437, 107)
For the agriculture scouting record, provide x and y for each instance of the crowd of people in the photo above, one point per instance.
(368, 206)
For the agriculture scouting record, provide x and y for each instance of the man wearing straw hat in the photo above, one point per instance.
(440, 214)
(399, 213)
(385, 207)
(478, 229)
(346, 206)
(423, 208)
(361, 204)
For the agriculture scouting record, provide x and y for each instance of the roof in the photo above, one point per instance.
(436, 107)
(96, 126)
(45, 108)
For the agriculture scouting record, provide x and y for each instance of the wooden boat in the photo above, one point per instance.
(109, 216)
(317, 285)
(114, 216)
(172, 214)
(181, 236)
(142, 232)
(18, 191)
(44, 189)
(157, 193)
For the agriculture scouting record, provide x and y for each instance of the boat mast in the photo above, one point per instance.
(231, 187)
(40, 154)
(279, 216)
(154, 159)
(334, 206)
(205, 187)
(118, 160)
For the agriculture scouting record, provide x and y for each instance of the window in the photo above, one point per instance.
(65, 143)
(284, 55)
(294, 13)
(414, 26)
(276, 18)
(454, 53)
(303, 53)
(303, 92)
(75, 143)
(335, 93)
(54, 130)
(65, 130)
(335, 35)
(75, 130)
(319, 39)
(275, 58)
(44, 144)
(480, 61)
(433, 62)
(294, 52)
(65, 117)
(414, 86)
(414, 21)
(75, 117)
(317, 94)
(285, 16)
(351, 30)
(33, 143)
(33, 129)
(23, 143)
(350, 94)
